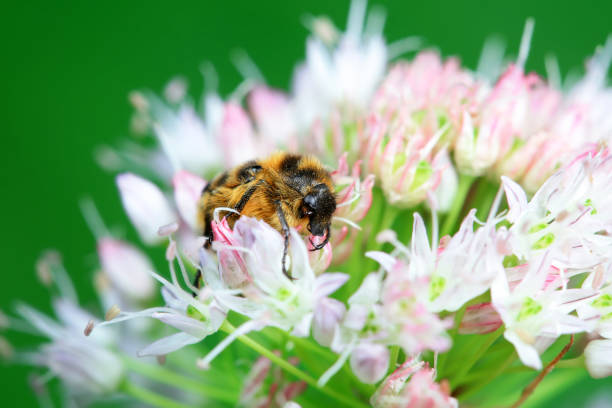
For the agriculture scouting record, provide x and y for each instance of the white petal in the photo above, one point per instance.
(527, 353)
(145, 205)
(327, 283)
(193, 327)
(168, 344)
(187, 191)
(385, 260)
(369, 291)
(517, 199)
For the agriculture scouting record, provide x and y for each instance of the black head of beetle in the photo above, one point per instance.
(319, 206)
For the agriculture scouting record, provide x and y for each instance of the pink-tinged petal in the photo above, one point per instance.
(145, 205)
(517, 199)
(342, 169)
(327, 314)
(127, 268)
(423, 391)
(292, 391)
(328, 283)
(237, 136)
(320, 259)
(255, 379)
(187, 191)
(273, 115)
(598, 354)
(480, 319)
(369, 362)
(168, 344)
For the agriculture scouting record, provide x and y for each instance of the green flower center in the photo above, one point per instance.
(421, 175)
(603, 301)
(194, 313)
(436, 287)
(529, 308)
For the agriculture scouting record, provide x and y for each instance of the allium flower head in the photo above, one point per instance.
(580, 122)
(414, 117)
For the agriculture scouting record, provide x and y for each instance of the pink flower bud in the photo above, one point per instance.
(127, 268)
(480, 319)
(273, 115)
(327, 313)
(237, 136)
(369, 362)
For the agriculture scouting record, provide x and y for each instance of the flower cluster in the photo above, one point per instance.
(386, 327)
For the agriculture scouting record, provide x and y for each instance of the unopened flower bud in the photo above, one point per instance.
(127, 268)
(369, 362)
(145, 205)
(327, 314)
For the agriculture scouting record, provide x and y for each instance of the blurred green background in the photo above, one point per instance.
(67, 68)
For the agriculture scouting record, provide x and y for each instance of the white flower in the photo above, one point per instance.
(145, 205)
(537, 310)
(344, 78)
(566, 215)
(598, 354)
(83, 363)
(194, 316)
(188, 142)
(461, 269)
(249, 278)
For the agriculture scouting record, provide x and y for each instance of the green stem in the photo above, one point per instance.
(487, 377)
(291, 369)
(393, 358)
(465, 182)
(473, 359)
(149, 397)
(452, 333)
(161, 374)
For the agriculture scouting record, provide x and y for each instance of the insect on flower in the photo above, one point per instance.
(284, 190)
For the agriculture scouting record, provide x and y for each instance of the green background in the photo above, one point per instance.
(67, 68)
